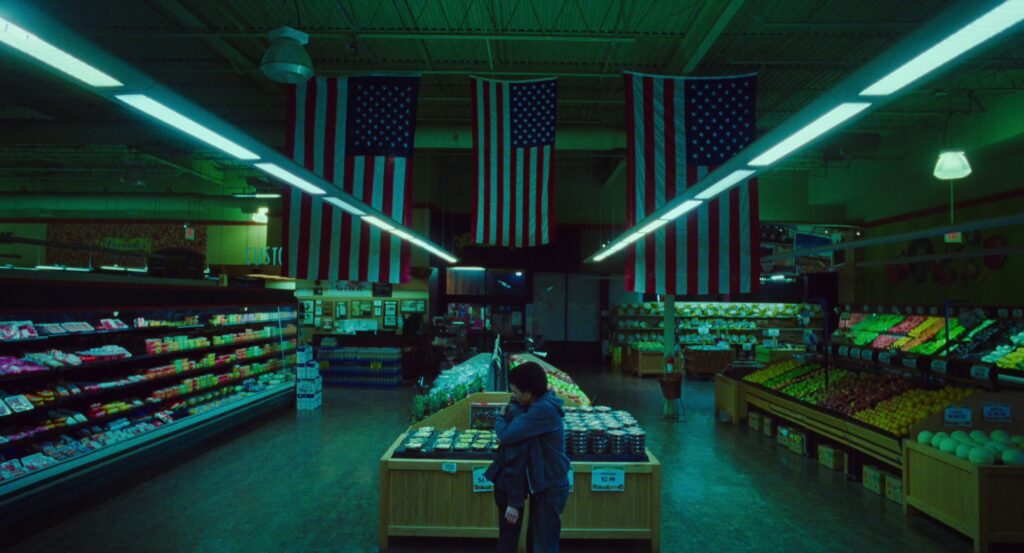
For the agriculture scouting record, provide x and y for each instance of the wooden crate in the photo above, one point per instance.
(417, 498)
(707, 362)
(982, 502)
(650, 363)
(729, 398)
(630, 359)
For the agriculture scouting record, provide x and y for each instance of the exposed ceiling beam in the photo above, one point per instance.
(346, 34)
(694, 45)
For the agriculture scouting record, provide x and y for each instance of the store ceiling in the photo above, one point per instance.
(210, 52)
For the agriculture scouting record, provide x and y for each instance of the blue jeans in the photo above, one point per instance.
(508, 534)
(545, 524)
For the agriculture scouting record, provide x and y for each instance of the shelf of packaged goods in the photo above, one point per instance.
(869, 440)
(11, 488)
(128, 412)
(229, 325)
(143, 358)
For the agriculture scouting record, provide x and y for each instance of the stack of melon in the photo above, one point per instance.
(980, 448)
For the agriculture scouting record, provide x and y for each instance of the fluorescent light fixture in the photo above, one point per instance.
(680, 209)
(445, 256)
(378, 223)
(257, 196)
(725, 183)
(402, 234)
(290, 178)
(28, 43)
(816, 128)
(519, 273)
(155, 109)
(1003, 17)
(468, 268)
(619, 245)
(653, 226)
(344, 205)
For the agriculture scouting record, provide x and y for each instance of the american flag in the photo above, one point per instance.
(679, 130)
(358, 133)
(513, 147)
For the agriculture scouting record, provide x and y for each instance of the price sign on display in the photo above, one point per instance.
(1018, 313)
(772, 332)
(885, 357)
(854, 353)
(997, 412)
(844, 351)
(910, 362)
(480, 482)
(704, 329)
(450, 468)
(609, 479)
(572, 480)
(865, 309)
(939, 366)
(957, 416)
(1004, 313)
(980, 372)
(933, 310)
(908, 310)
(920, 310)
(895, 310)
(867, 354)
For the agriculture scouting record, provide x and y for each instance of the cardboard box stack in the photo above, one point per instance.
(873, 479)
(831, 457)
(309, 384)
(754, 421)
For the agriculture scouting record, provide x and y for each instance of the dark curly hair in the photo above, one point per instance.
(529, 377)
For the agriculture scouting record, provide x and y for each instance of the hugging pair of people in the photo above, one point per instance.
(530, 462)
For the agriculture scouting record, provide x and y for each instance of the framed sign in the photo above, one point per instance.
(390, 308)
(341, 310)
(390, 321)
(408, 306)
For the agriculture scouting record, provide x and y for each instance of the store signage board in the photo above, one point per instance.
(450, 468)
(480, 482)
(608, 479)
(980, 372)
(997, 412)
(957, 416)
(939, 366)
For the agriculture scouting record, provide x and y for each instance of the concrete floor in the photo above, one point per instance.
(308, 482)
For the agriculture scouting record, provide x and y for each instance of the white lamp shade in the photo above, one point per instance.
(286, 60)
(952, 165)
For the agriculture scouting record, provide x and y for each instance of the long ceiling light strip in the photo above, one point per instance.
(832, 119)
(999, 19)
(186, 125)
(28, 43)
(155, 104)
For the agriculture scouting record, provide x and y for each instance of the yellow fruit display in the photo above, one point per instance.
(898, 414)
(771, 371)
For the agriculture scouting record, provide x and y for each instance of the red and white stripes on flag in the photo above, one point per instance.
(677, 131)
(513, 149)
(358, 133)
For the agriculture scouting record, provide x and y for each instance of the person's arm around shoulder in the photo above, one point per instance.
(540, 418)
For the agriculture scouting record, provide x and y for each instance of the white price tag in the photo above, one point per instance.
(939, 366)
(844, 351)
(772, 332)
(704, 329)
(450, 468)
(1004, 313)
(1018, 313)
(572, 480)
(480, 482)
(933, 310)
(997, 412)
(885, 357)
(920, 310)
(865, 309)
(980, 372)
(895, 310)
(910, 363)
(610, 479)
(880, 309)
(957, 416)
(855, 353)
(867, 354)
(908, 310)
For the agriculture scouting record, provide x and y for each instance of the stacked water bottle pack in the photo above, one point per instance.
(599, 431)
(370, 367)
(309, 384)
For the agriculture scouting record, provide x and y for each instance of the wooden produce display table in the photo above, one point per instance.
(650, 363)
(730, 398)
(875, 443)
(982, 502)
(707, 362)
(434, 497)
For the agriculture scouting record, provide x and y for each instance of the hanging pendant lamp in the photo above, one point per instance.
(952, 164)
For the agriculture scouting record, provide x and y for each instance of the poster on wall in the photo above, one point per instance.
(129, 237)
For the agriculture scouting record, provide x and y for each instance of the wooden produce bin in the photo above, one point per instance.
(982, 502)
(729, 397)
(707, 362)
(630, 359)
(650, 363)
(428, 497)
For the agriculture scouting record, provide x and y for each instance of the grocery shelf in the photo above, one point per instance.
(12, 490)
(136, 409)
(143, 358)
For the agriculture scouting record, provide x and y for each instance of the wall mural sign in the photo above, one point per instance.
(925, 264)
(127, 237)
(263, 256)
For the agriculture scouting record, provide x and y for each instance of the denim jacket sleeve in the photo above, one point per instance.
(540, 418)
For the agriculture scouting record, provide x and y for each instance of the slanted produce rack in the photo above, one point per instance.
(435, 497)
